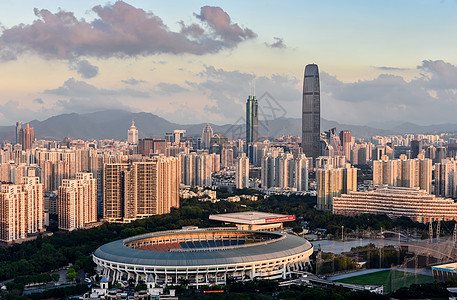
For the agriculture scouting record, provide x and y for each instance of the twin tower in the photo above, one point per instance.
(311, 114)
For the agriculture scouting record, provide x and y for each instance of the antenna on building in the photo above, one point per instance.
(254, 86)
(250, 89)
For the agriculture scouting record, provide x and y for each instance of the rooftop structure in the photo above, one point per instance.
(254, 220)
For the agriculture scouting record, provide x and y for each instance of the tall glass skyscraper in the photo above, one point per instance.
(252, 120)
(311, 116)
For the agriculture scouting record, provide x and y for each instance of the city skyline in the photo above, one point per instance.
(205, 76)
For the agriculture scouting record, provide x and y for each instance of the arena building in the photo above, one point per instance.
(203, 256)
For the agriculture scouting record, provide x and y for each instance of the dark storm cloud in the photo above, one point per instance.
(120, 30)
(278, 43)
(84, 68)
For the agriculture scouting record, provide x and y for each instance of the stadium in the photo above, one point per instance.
(203, 256)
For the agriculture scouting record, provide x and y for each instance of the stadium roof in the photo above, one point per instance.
(451, 267)
(252, 218)
(283, 247)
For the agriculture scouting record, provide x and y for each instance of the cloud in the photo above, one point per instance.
(133, 81)
(385, 68)
(75, 88)
(228, 91)
(164, 88)
(221, 23)
(120, 30)
(38, 101)
(427, 99)
(439, 74)
(278, 43)
(84, 68)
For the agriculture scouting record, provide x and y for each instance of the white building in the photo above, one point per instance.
(242, 171)
(133, 134)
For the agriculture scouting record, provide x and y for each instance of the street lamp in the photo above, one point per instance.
(342, 232)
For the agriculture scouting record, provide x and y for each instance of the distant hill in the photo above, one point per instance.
(113, 124)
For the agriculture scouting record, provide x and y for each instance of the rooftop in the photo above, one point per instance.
(252, 217)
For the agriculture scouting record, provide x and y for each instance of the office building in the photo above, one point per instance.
(416, 148)
(132, 134)
(77, 202)
(252, 120)
(311, 112)
(332, 182)
(27, 137)
(242, 171)
(18, 132)
(396, 202)
(207, 134)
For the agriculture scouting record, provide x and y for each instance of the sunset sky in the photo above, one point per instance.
(193, 61)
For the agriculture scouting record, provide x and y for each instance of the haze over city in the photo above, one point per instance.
(192, 62)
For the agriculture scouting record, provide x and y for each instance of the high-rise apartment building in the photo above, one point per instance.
(132, 134)
(403, 172)
(226, 158)
(77, 202)
(346, 143)
(27, 137)
(21, 210)
(301, 172)
(332, 182)
(446, 178)
(242, 171)
(311, 112)
(252, 120)
(139, 189)
(207, 134)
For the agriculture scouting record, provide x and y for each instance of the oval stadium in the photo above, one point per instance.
(203, 256)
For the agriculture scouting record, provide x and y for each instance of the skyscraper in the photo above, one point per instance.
(27, 137)
(416, 148)
(133, 134)
(207, 134)
(252, 120)
(311, 112)
(18, 132)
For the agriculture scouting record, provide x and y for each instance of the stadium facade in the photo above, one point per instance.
(203, 256)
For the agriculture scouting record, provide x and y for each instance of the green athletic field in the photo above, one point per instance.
(390, 279)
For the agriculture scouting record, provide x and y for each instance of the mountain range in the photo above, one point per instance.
(113, 124)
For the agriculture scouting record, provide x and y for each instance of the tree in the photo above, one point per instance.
(71, 273)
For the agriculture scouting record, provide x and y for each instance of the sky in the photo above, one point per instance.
(381, 62)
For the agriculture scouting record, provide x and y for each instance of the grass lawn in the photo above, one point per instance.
(391, 280)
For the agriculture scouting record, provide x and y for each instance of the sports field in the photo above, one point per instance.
(391, 279)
